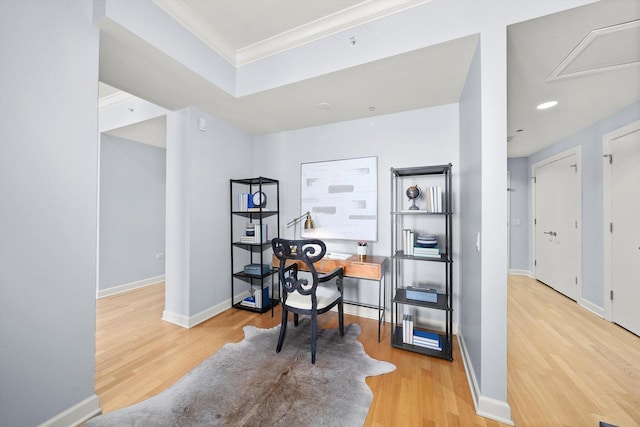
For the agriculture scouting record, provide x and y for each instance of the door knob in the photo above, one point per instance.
(551, 233)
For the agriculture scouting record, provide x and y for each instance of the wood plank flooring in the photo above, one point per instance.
(138, 355)
(567, 366)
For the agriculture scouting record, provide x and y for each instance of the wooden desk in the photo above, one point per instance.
(368, 267)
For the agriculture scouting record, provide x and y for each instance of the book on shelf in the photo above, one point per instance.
(408, 237)
(426, 339)
(407, 328)
(427, 252)
(433, 196)
(420, 244)
(245, 202)
(421, 293)
(257, 299)
(249, 301)
(262, 298)
(255, 233)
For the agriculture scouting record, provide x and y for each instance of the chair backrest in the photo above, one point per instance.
(307, 251)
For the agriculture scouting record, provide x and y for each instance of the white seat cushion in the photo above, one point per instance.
(326, 296)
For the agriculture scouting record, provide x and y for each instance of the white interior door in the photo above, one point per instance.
(558, 250)
(625, 231)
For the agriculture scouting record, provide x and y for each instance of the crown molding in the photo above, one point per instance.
(351, 17)
(182, 13)
(345, 19)
(114, 99)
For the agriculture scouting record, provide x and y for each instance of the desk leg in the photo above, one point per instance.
(381, 304)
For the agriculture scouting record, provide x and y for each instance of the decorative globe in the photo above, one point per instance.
(413, 193)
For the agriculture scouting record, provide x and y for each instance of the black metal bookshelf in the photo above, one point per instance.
(243, 253)
(440, 221)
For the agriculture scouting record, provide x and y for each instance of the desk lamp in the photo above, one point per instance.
(308, 223)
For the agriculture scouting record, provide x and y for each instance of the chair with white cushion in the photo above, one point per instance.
(303, 295)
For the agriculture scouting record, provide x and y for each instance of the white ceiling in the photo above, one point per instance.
(246, 30)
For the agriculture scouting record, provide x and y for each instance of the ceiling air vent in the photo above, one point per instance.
(603, 49)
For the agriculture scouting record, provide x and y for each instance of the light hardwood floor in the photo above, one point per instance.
(567, 366)
(138, 355)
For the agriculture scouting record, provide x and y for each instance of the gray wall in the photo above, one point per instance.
(590, 140)
(48, 208)
(470, 203)
(132, 211)
(199, 166)
(519, 245)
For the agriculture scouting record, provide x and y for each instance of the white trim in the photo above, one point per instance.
(607, 138)
(517, 272)
(114, 99)
(101, 293)
(487, 407)
(342, 20)
(577, 150)
(584, 44)
(588, 305)
(75, 415)
(190, 322)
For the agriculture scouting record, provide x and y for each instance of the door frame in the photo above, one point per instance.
(607, 139)
(577, 151)
(508, 220)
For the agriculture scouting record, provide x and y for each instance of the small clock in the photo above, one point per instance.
(259, 199)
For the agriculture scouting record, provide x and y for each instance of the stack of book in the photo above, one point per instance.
(426, 245)
(257, 299)
(426, 339)
(419, 337)
(245, 202)
(408, 240)
(255, 233)
(433, 198)
(407, 329)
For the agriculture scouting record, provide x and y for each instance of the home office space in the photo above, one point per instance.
(243, 137)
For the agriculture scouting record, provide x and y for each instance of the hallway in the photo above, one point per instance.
(567, 366)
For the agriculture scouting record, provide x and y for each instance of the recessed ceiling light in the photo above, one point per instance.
(546, 105)
(324, 106)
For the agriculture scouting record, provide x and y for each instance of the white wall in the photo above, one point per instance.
(519, 221)
(132, 212)
(48, 211)
(590, 140)
(199, 166)
(415, 138)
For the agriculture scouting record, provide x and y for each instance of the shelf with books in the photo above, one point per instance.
(397, 341)
(255, 220)
(421, 230)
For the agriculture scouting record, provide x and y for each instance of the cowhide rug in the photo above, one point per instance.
(249, 384)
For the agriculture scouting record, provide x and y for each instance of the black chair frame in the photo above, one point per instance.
(307, 251)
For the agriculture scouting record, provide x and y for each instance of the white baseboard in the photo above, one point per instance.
(598, 311)
(75, 415)
(129, 286)
(190, 322)
(356, 310)
(517, 272)
(487, 407)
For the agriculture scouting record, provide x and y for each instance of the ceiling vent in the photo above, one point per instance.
(603, 49)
